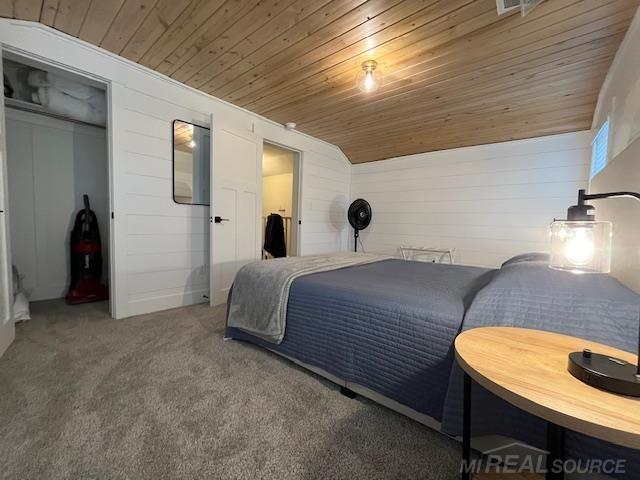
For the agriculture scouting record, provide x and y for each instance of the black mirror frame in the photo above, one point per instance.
(173, 162)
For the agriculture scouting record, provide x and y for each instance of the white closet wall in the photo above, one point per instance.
(277, 192)
(51, 164)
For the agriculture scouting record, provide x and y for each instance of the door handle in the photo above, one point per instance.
(220, 219)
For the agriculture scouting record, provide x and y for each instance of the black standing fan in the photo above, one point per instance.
(359, 216)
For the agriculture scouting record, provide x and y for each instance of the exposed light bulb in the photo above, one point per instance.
(579, 247)
(369, 82)
(369, 79)
(192, 144)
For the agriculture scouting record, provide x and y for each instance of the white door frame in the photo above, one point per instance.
(7, 327)
(296, 224)
(117, 296)
(31, 58)
(212, 190)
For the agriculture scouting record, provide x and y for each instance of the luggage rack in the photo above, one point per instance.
(428, 254)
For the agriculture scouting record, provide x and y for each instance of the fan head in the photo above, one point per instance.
(359, 214)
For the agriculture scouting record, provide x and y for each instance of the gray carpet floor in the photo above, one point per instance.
(163, 396)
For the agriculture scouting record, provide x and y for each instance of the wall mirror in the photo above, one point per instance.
(191, 163)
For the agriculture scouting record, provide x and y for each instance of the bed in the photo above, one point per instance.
(371, 325)
(385, 328)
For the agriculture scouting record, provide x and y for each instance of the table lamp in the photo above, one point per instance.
(580, 244)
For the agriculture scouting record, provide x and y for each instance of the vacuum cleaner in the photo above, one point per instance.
(86, 259)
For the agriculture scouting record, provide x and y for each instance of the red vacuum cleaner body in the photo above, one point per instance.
(86, 259)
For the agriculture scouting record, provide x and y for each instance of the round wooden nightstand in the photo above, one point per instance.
(528, 368)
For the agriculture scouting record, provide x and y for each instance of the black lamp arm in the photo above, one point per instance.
(584, 212)
(582, 196)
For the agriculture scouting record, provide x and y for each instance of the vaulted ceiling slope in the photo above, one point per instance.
(455, 73)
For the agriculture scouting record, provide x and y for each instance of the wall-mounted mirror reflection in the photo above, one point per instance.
(191, 163)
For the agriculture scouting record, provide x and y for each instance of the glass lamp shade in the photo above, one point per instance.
(369, 79)
(581, 246)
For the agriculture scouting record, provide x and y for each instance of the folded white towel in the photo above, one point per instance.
(59, 102)
(38, 78)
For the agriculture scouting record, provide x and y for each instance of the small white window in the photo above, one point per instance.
(506, 6)
(599, 149)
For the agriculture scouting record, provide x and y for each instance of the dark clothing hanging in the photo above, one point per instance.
(274, 242)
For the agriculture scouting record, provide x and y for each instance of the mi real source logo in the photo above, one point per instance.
(519, 458)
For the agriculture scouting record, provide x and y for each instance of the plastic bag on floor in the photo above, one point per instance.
(20, 302)
(21, 308)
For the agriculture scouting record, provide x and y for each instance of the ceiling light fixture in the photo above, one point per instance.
(369, 79)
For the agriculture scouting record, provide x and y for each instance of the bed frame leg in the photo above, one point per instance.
(348, 393)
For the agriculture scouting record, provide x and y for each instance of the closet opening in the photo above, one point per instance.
(58, 174)
(280, 201)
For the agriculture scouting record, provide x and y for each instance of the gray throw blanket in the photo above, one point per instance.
(260, 293)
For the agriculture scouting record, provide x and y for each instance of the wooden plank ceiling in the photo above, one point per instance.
(455, 73)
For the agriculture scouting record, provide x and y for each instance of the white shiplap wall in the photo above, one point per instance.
(325, 186)
(490, 202)
(167, 244)
(161, 250)
(619, 101)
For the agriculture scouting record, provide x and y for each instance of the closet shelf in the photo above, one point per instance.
(37, 108)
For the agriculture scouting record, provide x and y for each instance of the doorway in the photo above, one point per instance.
(57, 165)
(280, 201)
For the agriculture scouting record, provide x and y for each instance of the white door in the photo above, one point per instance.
(235, 192)
(7, 329)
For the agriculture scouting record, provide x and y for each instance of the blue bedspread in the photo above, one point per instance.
(527, 293)
(388, 326)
